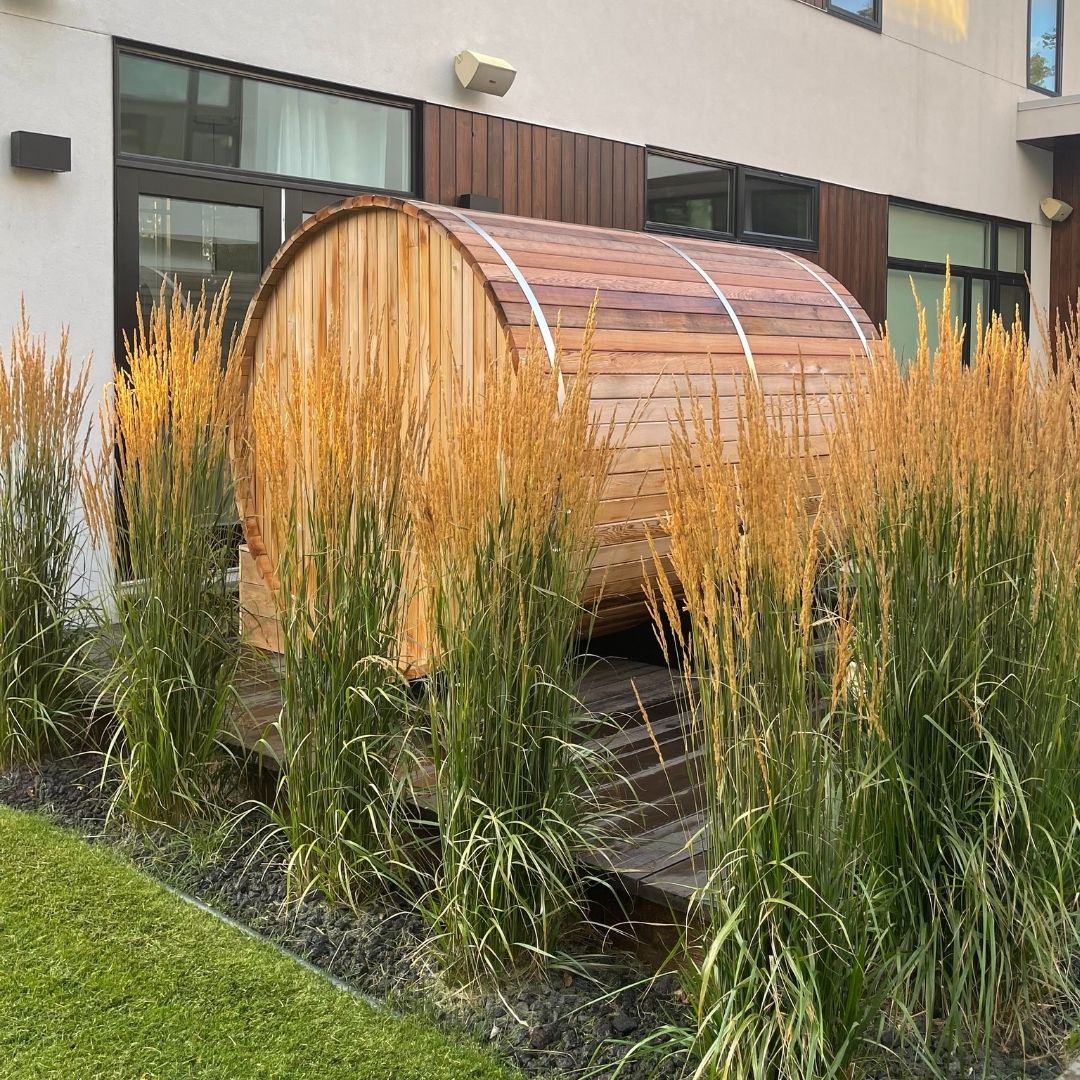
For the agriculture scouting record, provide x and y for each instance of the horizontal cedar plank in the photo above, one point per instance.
(689, 282)
(635, 387)
(650, 458)
(627, 436)
(621, 304)
(724, 366)
(657, 408)
(613, 510)
(675, 297)
(675, 343)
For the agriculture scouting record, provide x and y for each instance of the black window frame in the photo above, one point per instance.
(773, 239)
(1056, 92)
(689, 230)
(959, 271)
(123, 46)
(871, 23)
(739, 174)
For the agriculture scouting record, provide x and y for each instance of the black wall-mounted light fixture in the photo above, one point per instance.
(472, 201)
(46, 153)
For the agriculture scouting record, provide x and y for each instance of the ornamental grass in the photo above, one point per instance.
(43, 397)
(159, 497)
(340, 441)
(782, 939)
(505, 532)
(884, 687)
(954, 498)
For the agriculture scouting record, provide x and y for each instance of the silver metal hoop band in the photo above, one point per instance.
(718, 293)
(836, 296)
(519, 277)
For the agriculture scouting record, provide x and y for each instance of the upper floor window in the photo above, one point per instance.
(207, 116)
(1044, 45)
(863, 11)
(687, 194)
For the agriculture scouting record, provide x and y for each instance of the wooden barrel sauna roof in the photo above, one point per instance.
(676, 315)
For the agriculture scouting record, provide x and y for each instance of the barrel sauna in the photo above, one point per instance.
(461, 287)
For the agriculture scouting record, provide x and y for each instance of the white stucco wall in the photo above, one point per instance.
(912, 111)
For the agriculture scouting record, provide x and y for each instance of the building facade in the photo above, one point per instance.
(878, 137)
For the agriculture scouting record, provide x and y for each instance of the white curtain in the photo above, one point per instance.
(323, 137)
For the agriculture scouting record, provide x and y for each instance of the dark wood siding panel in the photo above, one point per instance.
(854, 243)
(533, 171)
(1065, 235)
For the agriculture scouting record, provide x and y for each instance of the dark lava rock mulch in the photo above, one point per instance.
(578, 1019)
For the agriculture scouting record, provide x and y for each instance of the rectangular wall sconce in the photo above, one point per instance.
(472, 201)
(47, 153)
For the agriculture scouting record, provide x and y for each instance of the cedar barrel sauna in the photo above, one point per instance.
(674, 313)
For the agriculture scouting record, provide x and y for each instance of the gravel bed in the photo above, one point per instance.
(576, 1020)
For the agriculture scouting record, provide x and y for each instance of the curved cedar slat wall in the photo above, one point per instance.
(454, 289)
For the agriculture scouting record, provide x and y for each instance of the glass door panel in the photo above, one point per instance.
(187, 245)
(186, 232)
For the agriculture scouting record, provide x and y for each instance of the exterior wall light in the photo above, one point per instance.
(484, 74)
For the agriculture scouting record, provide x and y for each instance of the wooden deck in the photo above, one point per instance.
(658, 858)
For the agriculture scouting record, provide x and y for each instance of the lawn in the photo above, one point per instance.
(104, 974)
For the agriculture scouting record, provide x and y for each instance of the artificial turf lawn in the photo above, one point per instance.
(104, 974)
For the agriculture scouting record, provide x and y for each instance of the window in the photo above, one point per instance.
(776, 208)
(185, 113)
(862, 11)
(695, 195)
(1044, 45)
(689, 194)
(988, 259)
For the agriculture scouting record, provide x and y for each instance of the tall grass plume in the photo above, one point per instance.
(782, 942)
(505, 532)
(43, 397)
(159, 497)
(340, 440)
(954, 496)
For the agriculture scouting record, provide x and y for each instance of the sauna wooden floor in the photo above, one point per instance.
(657, 857)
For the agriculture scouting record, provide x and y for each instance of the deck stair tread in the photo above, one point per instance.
(654, 797)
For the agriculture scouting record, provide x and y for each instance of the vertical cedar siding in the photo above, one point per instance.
(543, 172)
(533, 171)
(1065, 235)
(853, 242)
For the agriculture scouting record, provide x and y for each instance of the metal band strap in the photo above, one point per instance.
(519, 277)
(836, 296)
(723, 300)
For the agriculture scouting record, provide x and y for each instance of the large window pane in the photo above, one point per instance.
(1013, 299)
(187, 245)
(929, 236)
(903, 321)
(171, 110)
(1012, 249)
(688, 194)
(1043, 36)
(785, 209)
